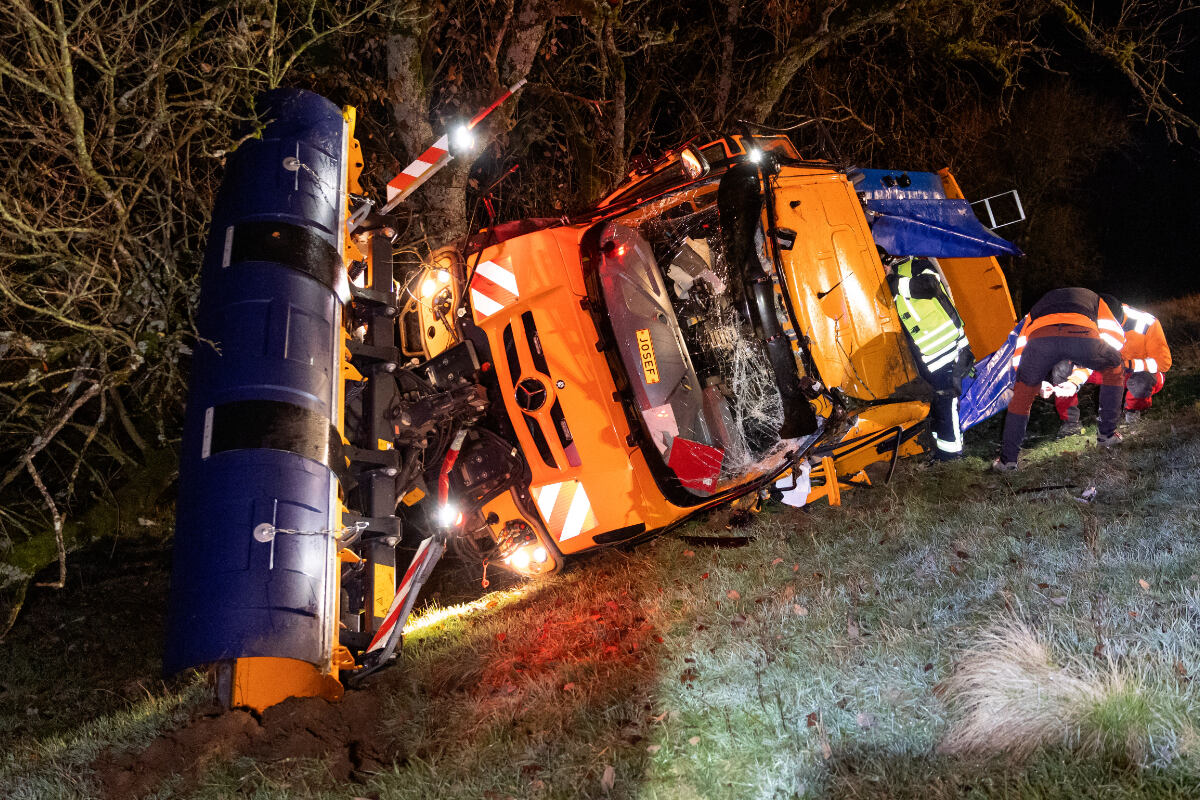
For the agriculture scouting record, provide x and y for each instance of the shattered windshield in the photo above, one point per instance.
(700, 378)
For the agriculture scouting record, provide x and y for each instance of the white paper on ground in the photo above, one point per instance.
(798, 496)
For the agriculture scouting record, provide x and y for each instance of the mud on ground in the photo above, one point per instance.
(94, 648)
(344, 735)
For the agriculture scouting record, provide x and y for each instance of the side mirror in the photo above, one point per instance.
(693, 163)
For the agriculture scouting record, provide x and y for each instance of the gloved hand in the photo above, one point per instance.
(1066, 389)
(1047, 389)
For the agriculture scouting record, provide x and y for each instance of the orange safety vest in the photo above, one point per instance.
(1145, 344)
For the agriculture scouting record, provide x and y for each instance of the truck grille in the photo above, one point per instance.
(560, 431)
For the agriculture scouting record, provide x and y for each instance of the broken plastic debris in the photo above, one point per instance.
(1089, 494)
(798, 495)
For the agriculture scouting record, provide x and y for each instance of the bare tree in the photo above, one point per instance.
(115, 122)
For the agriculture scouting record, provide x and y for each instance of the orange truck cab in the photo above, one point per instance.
(718, 325)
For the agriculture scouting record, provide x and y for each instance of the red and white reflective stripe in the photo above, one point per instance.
(493, 288)
(509, 92)
(419, 171)
(436, 157)
(393, 612)
(565, 508)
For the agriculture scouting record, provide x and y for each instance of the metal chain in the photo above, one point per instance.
(266, 531)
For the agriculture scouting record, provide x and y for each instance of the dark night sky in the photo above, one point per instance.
(1144, 201)
(1146, 210)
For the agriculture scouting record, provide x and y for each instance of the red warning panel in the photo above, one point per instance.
(696, 465)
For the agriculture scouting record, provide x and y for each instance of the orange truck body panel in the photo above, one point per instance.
(839, 289)
(617, 486)
(979, 290)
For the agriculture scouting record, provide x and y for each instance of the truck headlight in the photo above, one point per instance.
(521, 551)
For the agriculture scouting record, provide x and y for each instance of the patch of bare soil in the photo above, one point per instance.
(343, 734)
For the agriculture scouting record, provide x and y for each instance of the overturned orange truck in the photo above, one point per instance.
(718, 326)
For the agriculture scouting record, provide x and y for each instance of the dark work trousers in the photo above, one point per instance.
(943, 414)
(1042, 352)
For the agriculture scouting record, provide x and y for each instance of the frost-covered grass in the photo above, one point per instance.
(57, 766)
(956, 634)
(1010, 695)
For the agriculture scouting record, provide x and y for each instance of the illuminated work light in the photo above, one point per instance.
(755, 155)
(448, 516)
(521, 551)
(462, 139)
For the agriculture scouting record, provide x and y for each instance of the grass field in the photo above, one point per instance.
(956, 633)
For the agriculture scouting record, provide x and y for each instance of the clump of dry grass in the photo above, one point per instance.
(1009, 696)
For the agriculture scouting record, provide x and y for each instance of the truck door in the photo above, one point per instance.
(980, 292)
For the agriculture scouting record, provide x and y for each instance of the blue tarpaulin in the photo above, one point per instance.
(910, 215)
(990, 390)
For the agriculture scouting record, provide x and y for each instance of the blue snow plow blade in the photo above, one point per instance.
(991, 388)
(261, 443)
(910, 215)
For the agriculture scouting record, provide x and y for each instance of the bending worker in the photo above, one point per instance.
(1146, 358)
(1066, 324)
(938, 341)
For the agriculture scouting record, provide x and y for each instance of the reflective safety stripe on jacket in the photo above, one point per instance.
(1145, 344)
(937, 334)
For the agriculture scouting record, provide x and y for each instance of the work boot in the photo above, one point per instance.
(1112, 440)
(1133, 417)
(1070, 428)
(1004, 466)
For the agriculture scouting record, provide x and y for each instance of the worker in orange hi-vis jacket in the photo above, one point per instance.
(1146, 355)
(1066, 324)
